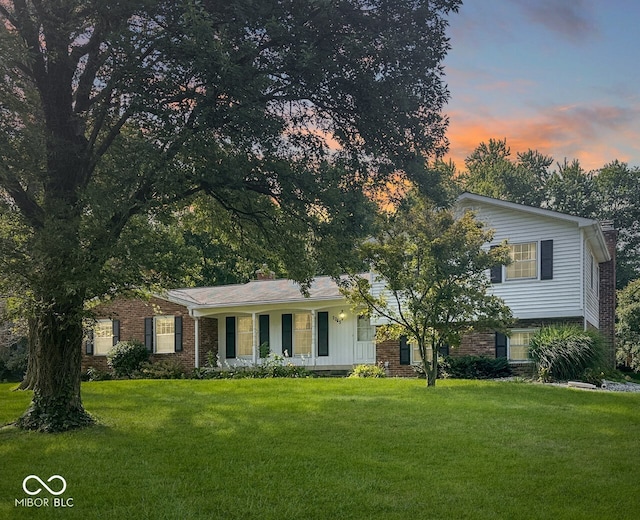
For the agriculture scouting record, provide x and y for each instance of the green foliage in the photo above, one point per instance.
(628, 327)
(368, 371)
(271, 366)
(562, 352)
(474, 367)
(127, 357)
(265, 350)
(13, 361)
(491, 172)
(163, 369)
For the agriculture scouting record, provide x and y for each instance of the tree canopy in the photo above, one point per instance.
(114, 116)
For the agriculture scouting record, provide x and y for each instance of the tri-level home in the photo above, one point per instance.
(562, 271)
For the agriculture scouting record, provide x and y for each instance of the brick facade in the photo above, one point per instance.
(131, 314)
(388, 354)
(608, 292)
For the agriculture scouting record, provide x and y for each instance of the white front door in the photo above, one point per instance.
(365, 341)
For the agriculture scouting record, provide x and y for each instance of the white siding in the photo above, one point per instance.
(559, 297)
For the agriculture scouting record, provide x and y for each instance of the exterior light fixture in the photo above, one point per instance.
(340, 317)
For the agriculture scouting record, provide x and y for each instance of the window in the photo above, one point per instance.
(165, 334)
(245, 336)
(102, 337)
(366, 331)
(302, 334)
(524, 261)
(519, 344)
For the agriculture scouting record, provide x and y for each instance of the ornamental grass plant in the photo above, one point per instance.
(563, 352)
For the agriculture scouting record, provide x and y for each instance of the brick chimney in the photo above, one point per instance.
(264, 273)
(608, 292)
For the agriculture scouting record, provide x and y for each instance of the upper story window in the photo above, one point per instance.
(524, 261)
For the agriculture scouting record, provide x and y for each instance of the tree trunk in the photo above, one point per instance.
(55, 328)
(54, 371)
(432, 374)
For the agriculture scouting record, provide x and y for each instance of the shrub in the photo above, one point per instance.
(13, 361)
(368, 371)
(126, 357)
(271, 366)
(473, 367)
(164, 369)
(95, 374)
(562, 352)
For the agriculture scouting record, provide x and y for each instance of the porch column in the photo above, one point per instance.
(254, 341)
(196, 342)
(314, 338)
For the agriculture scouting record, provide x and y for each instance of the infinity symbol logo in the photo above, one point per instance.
(36, 477)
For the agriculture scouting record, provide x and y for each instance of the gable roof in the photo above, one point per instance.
(255, 292)
(592, 228)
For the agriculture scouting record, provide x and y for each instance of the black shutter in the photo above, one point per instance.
(405, 351)
(88, 346)
(444, 350)
(116, 331)
(263, 325)
(230, 337)
(323, 334)
(496, 272)
(287, 334)
(148, 334)
(501, 345)
(177, 334)
(546, 260)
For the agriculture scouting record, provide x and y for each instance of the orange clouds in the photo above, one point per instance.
(595, 135)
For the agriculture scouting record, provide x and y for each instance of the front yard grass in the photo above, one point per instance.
(332, 449)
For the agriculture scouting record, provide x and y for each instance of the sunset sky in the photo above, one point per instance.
(558, 76)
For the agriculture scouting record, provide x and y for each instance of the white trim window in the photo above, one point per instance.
(245, 336)
(519, 344)
(164, 334)
(524, 261)
(302, 334)
(102, 337)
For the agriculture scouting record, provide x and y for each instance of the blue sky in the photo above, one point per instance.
(558, 76)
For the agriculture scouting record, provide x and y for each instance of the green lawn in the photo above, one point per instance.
(332, 449)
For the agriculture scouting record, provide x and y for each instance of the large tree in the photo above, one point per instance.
(431, 280)
(281, 113)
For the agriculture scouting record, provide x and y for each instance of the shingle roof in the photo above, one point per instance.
(255, 292)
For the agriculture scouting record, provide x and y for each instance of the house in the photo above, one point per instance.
(238, 324)
(562, 271)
